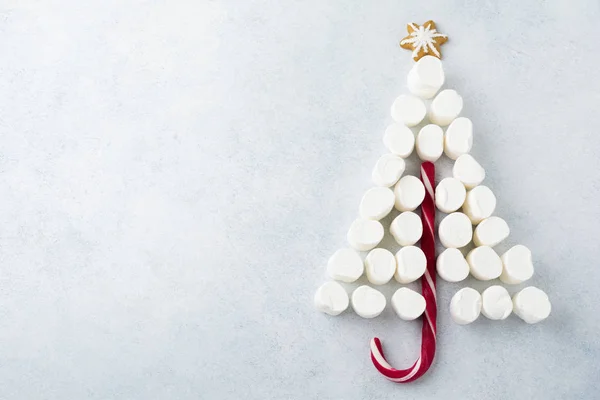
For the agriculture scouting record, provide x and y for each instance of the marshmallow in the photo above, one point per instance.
(496, 303)
(368, 302)
(480, 203)
(450, 195)
(517, 266)
(455, 230)
(365, 234)
(430, 143)
(406, 228)
(465, 306)
(451, 266)
(484, 263)
(426, 77)
(411, 264)
(531, 305)
(458, 139)
(380, 266)
(490, 232)
(445, 107)
(408, 304)
(388, 169)
(409, 192)
(331, 298)
(408, 110)
(399, 140)
(468, 171)
(345, 265)
(376, 203)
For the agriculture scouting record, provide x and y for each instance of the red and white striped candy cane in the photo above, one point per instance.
(428, 284)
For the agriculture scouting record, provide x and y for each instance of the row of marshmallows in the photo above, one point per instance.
(530, 304)
(331, 298)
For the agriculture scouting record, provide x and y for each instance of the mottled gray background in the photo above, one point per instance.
(175, 174)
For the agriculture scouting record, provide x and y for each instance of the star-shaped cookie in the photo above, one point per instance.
(423, 40)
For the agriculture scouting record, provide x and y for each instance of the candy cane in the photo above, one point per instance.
(428, 284)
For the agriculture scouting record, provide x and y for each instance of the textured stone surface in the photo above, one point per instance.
(175, 174)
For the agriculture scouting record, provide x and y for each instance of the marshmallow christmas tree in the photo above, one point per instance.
(428, 121)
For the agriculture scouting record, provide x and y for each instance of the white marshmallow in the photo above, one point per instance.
(406, 228)
(411, 264)
(365, 234)
(408, 110)
(426, 77)
(450, 195)
(531, 305)
(468, 171)
(455, 230)
(490, 232)
(458, 138)
(445, 107)
(480, 203)
(430, 143)
(517, 266)
(496, 303)
(388, 169)
(399, 140)
(408, 304)
(484, 263)
(345, 265)
(451, 266)
(380, 266)
(376, 203)
(368, 302)
(409, 192)
(331, 298)
(465, 306)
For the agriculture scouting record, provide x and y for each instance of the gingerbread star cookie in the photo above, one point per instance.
(423, 40)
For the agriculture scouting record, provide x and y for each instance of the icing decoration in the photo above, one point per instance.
(428, 288)
(423, 40)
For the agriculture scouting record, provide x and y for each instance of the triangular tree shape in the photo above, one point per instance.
(469, 206)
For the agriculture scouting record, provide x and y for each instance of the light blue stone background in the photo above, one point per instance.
(175, 174)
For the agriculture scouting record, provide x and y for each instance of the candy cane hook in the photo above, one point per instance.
(428, 288)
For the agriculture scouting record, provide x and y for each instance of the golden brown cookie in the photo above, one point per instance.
(423, 40)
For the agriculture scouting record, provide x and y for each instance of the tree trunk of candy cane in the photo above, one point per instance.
(428, 333)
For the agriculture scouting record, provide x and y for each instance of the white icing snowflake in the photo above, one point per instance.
(423, 37)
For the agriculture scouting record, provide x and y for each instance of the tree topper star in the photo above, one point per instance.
(423, 40)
